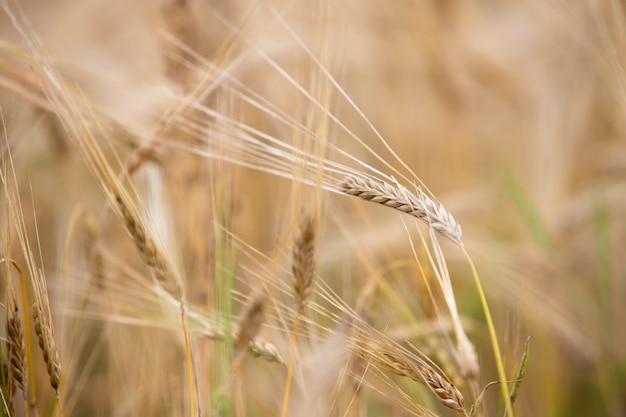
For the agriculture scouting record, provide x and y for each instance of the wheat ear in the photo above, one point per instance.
(303, 264)
(150, 252)
(249, 326)
(380, 351)
(16, 352)
(417, 204)
(400, 364)
(303, 270)
(48, 346)
(15, 343)
(251, 323)
(19, 346)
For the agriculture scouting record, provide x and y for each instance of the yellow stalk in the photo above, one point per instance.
(292, 351)
(492, 335)
(190, 378)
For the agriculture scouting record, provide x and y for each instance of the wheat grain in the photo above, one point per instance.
(417, 204)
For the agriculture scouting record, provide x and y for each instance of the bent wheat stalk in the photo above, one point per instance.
(423, 207)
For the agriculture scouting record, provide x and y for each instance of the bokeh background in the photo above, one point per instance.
(512, 113)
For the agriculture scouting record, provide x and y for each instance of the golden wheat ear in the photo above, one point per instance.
(251, 323)
(151, 253)
(303, 263)
(303, 271)
(249, 326)
(47, 343)
(398, 197)
(377, 349)
(15, 344)
(14, 372)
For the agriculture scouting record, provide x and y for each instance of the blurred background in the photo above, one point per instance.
(512, 114)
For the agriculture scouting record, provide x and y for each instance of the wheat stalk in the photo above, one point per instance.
(396, 196)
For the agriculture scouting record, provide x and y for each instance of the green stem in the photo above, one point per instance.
(492, 335)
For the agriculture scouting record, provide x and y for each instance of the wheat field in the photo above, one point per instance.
(313, 208)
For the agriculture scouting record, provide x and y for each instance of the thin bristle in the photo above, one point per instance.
(303, 264)
(417, 204)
